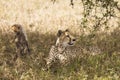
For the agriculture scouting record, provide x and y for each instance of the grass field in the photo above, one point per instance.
(41, 20)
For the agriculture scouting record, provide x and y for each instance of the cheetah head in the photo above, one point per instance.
(16, 28)
(65, 38)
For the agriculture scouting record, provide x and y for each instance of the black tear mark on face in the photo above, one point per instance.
(67, 30)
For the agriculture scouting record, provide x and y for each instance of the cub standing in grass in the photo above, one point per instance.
(20, 41)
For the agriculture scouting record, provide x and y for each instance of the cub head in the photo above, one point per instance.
(65, 38)
(16, 28)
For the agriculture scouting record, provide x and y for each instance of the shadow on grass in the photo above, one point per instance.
(103, 66)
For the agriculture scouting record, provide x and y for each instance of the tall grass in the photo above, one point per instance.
(104, 66)
(41, 19)
(44, 16)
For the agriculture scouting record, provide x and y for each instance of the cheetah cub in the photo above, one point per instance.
(20, 40)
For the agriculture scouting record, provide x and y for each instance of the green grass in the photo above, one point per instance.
(98, 67)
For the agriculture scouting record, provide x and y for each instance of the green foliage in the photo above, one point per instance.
(105, 7)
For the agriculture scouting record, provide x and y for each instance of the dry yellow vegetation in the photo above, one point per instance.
(44, 16)
(41, 20)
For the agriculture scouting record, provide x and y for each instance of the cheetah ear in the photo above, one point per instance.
(59, 33)
(67, 30)
(19, 26)
(16, 25)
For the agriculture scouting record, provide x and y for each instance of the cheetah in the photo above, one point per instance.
(65, 49)
(20, 40)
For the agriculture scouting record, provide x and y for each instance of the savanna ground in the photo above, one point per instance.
(41, 20)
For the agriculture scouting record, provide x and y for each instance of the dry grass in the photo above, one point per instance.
(40, 15)
(41, 20)
(44, 16)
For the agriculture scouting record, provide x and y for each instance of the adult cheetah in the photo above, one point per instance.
(64, 50)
